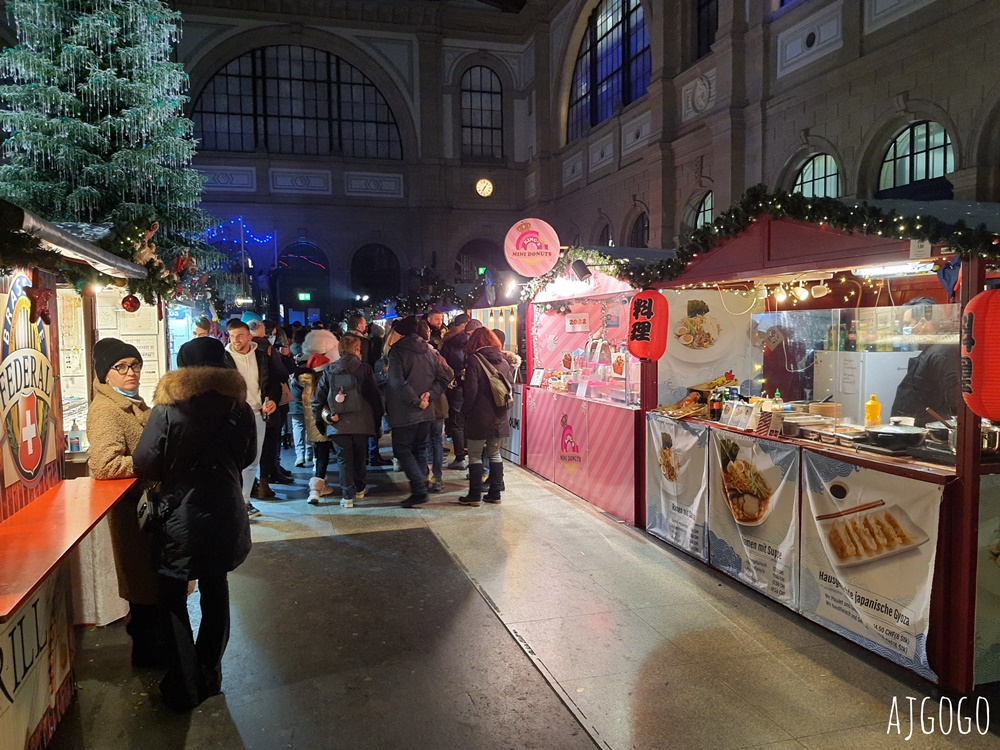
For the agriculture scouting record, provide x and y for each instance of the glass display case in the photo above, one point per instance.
(579, 349)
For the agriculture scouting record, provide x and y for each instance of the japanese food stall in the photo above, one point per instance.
(893, 547)
(43, 516)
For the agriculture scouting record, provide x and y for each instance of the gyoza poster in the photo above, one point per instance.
(753, 512)
(868, 548)
(677, 483)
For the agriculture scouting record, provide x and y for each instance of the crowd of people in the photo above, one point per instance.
(212, 441)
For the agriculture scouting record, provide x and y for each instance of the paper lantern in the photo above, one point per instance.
(981, 355)
(131, 303)
(647, 325)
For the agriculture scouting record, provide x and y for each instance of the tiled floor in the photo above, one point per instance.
(647, 648)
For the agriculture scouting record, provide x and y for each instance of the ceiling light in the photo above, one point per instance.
(898, 269)
(820, 290)
(760, 292)
(780, 295)
(580, 269)
(800, 292)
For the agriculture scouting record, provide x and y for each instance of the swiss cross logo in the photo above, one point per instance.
(30, 450)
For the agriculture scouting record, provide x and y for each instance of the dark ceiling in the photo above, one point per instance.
(507, 6)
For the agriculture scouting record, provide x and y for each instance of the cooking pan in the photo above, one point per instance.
(938, 431)
(896, 436)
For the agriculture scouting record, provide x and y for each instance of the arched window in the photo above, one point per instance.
(920, 152)
(606, 240)
(482, 114)
(612, 67)
(703, 214)
(375, 272)
(818, 178)
(295, 100)
(640, 232)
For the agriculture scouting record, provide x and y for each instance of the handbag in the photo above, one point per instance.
(500, 388)
(149, 510)
(286, 395)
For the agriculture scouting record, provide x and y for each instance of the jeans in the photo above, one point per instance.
(194, 667)
(251, 471)
(352, 460)
(322, 450)
(435, 448)
(409, 445)
(299, 439)
(455, 427)
(492, 446)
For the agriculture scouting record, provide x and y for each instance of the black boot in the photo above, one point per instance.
(496, 483)
(143, 626)
(475, 486)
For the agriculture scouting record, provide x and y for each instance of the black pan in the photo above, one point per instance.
(896, 436)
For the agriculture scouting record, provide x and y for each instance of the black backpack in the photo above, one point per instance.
(343, 382)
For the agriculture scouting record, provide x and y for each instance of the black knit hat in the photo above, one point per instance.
(406, 326)
(109, 351)
(202, 352)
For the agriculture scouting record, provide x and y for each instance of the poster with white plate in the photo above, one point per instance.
(753, 512)
(677, 483)
(868, 548)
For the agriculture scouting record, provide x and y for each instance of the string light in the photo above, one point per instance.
(219, 233)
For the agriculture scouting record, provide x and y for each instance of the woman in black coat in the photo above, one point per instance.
(199, 438)
(485, 422)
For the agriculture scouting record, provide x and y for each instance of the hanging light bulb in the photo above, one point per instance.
(780, 295)
(800, 292)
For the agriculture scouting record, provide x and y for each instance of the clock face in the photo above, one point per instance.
(484, 187)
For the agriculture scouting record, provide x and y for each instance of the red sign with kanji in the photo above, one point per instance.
(647, 325)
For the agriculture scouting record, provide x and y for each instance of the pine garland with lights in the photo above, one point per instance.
(94, 109)
(419, 302)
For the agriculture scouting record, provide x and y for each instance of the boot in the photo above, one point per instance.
(148, 650)
(317, 489)
(475, 486)
(496, 483)
(263, 490)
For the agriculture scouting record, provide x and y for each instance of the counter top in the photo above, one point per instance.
(36, 539)
(589, 400)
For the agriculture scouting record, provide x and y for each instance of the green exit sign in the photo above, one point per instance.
(305, 296)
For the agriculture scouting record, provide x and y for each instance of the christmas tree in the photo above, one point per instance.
(95, 115)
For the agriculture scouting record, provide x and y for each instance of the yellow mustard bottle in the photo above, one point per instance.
(873, 412)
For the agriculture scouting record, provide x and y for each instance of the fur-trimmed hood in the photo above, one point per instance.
(514, 360)
(180, 385)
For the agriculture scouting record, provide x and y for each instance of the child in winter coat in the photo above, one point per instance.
(308, 377)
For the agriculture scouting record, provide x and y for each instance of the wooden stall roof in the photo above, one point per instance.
(779, 246)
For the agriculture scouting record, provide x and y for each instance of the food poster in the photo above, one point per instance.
(753, 514)
(677, 483)
(709, 335)
(986, 663)
(868, 545)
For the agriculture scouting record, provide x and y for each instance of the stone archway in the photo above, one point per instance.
(375, 272)
(301, 282)
(476, 254)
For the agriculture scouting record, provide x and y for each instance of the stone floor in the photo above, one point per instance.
(539, 623)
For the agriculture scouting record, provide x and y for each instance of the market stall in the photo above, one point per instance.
(877, 541)
(42, 516)
(509, 319)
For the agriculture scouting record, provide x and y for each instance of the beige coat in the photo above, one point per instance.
(114, 426)
(308, 381)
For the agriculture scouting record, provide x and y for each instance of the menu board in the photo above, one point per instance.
(753, 516)
(868, 546)
(677, 483)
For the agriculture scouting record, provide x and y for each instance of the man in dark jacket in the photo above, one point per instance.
(263, 394)
(283, 366)
(435, 320)
(933, 378)
(416, 380)
(199, 438)
(453, 350)
(358, 326)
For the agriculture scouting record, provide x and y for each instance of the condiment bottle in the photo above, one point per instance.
(778, 404)
(715, 406)
(75, 438)
(873, 412)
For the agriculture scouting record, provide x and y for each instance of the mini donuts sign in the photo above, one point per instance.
(531, 247)
(26, 385)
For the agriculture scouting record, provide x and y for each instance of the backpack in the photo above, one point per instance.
(345, 383)
(502, 391)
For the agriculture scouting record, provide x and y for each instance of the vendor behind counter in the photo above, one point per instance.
(933, 379)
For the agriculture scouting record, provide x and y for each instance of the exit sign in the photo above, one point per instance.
(305, 296)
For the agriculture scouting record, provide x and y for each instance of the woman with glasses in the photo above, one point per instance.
(115, 421)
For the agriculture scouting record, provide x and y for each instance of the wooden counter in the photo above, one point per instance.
(36, 539)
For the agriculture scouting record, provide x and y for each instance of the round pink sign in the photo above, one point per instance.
(531, 247)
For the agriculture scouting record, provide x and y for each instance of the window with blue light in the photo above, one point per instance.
(482, 114)
(818, 178)
(295, 100)
(920, 151)
(612, 67)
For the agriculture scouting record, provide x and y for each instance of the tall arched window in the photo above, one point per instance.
(482, 114)
(640, 232)
(818, 178)
(612, 67)
(295, 100)
(703, 214)
(920, 152)
(606, 240)
(375, 272)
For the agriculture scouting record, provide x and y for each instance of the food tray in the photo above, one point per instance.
(915, 535)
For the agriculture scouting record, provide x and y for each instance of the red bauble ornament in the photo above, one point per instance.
(981, 355)
(647, 325)
(40, 298)
(131, 303)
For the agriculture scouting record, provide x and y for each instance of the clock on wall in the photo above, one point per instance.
(484, 187)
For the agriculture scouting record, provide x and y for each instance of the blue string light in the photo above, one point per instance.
(220, 233)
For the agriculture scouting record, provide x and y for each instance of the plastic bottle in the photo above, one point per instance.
(873, 412)
(75, 438)
(715, 406)
(777, 404)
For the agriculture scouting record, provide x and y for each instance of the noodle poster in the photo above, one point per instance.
(753, 514)
(677, 483)
(868, 546)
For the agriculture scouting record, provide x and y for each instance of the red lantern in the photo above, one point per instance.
(131, 303)
(647, 325)
(981, 355)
